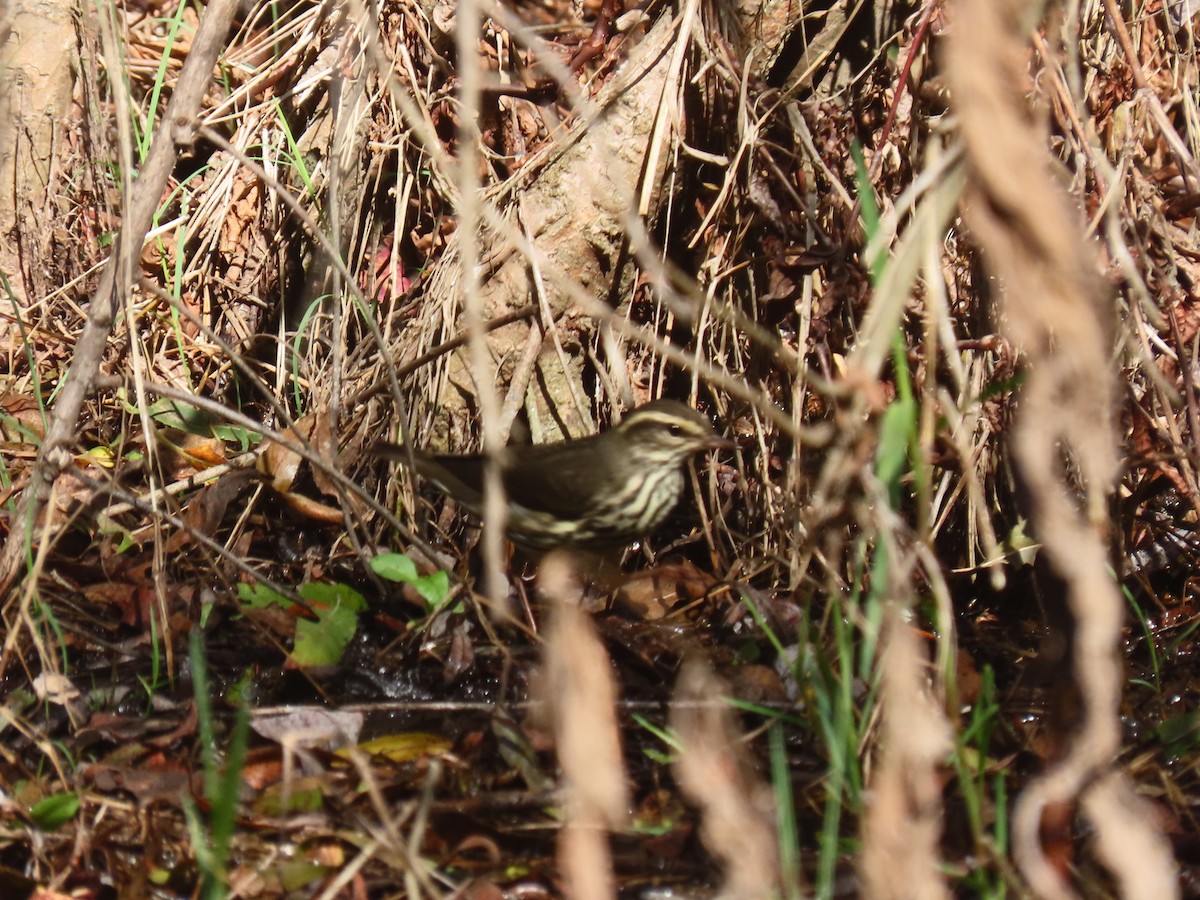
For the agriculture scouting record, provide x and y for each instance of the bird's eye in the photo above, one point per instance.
(675, 430)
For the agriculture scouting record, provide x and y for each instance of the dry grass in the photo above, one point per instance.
(424, 223)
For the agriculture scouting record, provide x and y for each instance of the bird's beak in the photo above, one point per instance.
(717, 442)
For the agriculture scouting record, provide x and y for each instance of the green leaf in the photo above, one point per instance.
(123, 536)
(1179, 735)
(236, 434)
(394, 567)
(258, 596)
(184, 416)
(297, 874)
(54, 811)
(869, 209)
(895, 433)
(275, 801)
(322, 643)
(434, 588)
(320, 595)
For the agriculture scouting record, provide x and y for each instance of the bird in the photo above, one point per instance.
(610, 489)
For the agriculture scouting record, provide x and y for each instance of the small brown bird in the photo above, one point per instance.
(605, 490)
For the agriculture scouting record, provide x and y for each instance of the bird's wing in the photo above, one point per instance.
(538, 477)
(563, 488)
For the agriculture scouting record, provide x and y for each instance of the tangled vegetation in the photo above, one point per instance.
(925, 632)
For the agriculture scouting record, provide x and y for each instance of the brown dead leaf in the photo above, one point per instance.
(653, 593)
(461, 656)
(314, 509)
(1188, 318)
(280, 622)
(110, 593)
(207, 509)
(387, 278)
(662, 818)
(281, 463)
(326, 444)
(757, 684)
(967, 677)
(262, 769)
(22, 420)
(70, 493)
(198, 453)
(153, 779)
(479, 889)
(327, 853)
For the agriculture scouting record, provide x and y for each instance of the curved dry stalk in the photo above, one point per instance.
(1058, 313)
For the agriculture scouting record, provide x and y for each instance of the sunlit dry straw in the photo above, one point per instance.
(1060, 315)
(579, 689)
(736, 806)
(903, 825)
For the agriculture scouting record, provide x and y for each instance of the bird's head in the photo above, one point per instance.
(666, 432)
